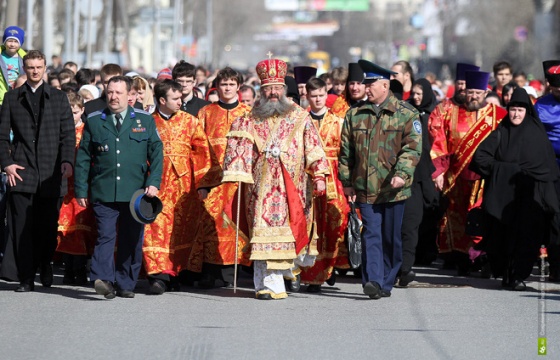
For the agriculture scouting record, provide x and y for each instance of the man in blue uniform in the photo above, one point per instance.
(120, 152)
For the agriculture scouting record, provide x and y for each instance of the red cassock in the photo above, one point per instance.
(456, 133)
(170, 242)
(218, 222)
(331, 210)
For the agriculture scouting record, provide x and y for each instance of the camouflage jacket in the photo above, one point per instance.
(378, 143)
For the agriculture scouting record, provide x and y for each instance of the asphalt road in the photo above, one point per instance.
(438, 317)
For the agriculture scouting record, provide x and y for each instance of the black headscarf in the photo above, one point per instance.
(425, 167)
(292, 89)
(396, 88)
(429, 100)
(527, 144)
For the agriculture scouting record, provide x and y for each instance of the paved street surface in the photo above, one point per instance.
(438, 317)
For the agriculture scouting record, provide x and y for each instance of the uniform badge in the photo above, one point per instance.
(106, 148)
(138, 129)
(417, 126)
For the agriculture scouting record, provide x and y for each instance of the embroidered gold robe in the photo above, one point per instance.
(331, 209)
(276, 158)
(219, 229)
(170, 241)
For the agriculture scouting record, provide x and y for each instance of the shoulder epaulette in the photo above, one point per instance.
(141, 111)
(95, 113)
(408, 105)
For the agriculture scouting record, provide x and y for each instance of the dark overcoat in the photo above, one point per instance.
(41, 142)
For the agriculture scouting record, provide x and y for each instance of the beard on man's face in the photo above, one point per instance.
(460, 97)
(474, 105)
(267, 107)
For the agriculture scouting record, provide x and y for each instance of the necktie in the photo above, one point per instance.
(119, 124)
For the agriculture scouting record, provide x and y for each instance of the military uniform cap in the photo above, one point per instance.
(373, 72)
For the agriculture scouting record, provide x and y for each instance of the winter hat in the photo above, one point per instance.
(14, 32)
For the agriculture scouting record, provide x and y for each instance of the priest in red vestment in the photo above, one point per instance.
(218, 227)
(169, 242)
(331, 210)
(456, 132)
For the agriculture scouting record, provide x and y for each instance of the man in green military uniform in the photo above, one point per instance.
(120, 152)
(380, 147)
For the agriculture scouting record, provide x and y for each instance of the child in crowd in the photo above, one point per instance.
(11, 59)
(76, 225)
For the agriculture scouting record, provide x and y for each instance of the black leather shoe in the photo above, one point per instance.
(104, 288)
(313, 288)
(519, 285)
(332, 280)
(373, 290)
(406, 278)
(385, 293)
(293, 285)
(25, 287)
(46, 275)
(157, 287)
(127, 294)
(264, 297)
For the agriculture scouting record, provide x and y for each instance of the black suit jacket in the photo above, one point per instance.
(39, 145)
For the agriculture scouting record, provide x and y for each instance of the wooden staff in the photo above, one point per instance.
(237, 236)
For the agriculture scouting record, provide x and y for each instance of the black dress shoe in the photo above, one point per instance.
(373, 290)
(313, 288)
(157, 287)
(174, 284)
(104, 288)
(127, 294)
(264, 297)
(25, 287)
(385, 293)
(332, 280)
(519, 285)
(46, 275)
(406, 278)
(293, 285)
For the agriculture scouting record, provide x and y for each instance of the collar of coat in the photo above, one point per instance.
(47, 89)
(390, 104)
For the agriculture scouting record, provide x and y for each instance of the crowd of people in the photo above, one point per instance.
(188, 175)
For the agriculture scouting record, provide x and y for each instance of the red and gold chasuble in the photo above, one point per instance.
(456, 134)
(276, 157)
(219, 230)
(169, 242)
(76, 225)
(331, 210)
(340, 106)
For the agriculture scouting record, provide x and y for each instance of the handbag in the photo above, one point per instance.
(354, 238)
(476, 222)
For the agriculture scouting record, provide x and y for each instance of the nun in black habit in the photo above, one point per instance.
(518, 164)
